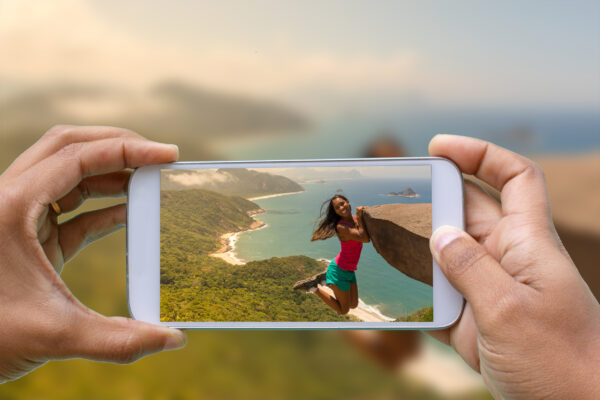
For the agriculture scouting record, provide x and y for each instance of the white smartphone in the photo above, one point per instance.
(298, 244)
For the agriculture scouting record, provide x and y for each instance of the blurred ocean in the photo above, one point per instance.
(526, 132)
(290, 221)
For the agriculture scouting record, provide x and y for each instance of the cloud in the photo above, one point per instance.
(66, 40)
(204, 179)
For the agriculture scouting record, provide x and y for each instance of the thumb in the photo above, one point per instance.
(470, 268)
(123, 340)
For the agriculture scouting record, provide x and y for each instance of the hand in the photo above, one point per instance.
(41, 320)
(531, 326)
(360, 210)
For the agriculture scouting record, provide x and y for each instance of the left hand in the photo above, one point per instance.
(41, 319)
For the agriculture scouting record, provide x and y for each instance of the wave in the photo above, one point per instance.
(374, 309)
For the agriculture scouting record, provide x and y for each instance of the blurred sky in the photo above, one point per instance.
(320, 57)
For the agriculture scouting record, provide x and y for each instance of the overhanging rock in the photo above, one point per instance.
(400, 233)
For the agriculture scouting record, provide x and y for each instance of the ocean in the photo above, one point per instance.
(290, 221)
(528, 132)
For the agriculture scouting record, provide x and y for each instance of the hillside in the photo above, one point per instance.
(197, 287)
(424, 314)
(229, 181)
(213, 290)
(174, 112)
(192, 221)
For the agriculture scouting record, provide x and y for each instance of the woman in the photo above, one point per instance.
(340, 276)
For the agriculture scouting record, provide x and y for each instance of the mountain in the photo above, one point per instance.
(229, 181)
(171, 112)
(192, 221)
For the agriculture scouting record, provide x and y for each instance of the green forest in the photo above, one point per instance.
(197, 287)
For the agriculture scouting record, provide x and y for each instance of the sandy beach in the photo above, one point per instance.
(273, 195)
(229, 239)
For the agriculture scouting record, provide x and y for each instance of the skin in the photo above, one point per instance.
(343, 301)
(531, 325)
(40, 319)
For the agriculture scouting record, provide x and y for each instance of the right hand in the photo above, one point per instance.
(531, 326)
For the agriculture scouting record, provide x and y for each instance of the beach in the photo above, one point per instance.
(229, 239)
(268, 196)
(363, 312)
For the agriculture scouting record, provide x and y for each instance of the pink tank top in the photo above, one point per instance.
(347, 258)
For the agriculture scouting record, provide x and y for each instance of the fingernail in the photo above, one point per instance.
(175, 340)
(443, 236)
(169, 146)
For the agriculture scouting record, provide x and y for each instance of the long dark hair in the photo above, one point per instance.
(329, 219)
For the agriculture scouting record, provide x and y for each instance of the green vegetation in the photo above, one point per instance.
(197, 287)
(424, 314)
(213, 290)
(191, 223)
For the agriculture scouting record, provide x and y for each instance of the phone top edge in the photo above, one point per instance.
(304, 160)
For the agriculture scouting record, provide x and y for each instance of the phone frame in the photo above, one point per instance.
(143, 241)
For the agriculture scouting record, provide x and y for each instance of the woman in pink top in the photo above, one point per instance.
(340, 277)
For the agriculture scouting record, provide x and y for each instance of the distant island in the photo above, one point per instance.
(408, 192)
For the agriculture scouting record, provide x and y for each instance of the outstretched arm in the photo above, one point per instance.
(359, 233)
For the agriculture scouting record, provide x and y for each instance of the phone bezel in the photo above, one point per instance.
(143, 241)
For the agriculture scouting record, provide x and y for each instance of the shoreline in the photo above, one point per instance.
(229, 239)
(273, 195)
(364, 312)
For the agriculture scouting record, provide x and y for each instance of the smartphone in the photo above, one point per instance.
(296, 244)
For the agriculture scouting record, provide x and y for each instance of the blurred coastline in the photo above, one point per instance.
(262, 83)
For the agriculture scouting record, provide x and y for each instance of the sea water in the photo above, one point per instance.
(290, 222)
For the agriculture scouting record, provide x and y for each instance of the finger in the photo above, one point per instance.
(55, 176)
(482, 212)
(520, 180)
(85, 228)
(107, 185)
(121, 340)
(61, 136)
(471, 269)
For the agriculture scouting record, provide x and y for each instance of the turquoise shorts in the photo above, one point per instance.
(340, 277)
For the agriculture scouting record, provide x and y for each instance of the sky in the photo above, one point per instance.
(314, 55)
(400, 172)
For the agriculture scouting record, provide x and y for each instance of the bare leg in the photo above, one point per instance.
(339, 303)
(353, 295)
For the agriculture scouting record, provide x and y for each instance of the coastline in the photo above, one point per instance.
(229, 239)
(364, 312)
(273, 195)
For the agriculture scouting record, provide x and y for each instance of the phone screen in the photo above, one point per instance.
(301, 244)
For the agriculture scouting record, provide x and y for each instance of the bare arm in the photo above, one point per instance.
(359, 233)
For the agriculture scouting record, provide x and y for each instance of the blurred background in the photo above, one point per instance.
(276, 80)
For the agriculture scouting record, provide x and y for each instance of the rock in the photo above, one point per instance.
(400, 233)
